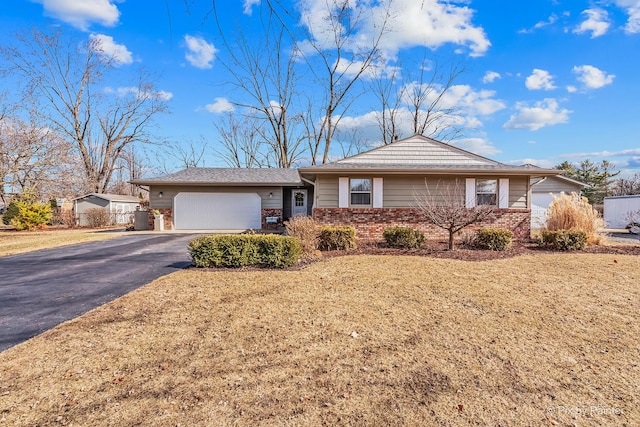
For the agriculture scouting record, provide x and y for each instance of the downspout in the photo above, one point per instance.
(313, 184)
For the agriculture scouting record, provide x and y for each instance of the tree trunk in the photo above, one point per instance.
(451, 236)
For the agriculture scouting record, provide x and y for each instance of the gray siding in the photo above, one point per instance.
(170, 191)
(326, 192)
(518, 192)
(555, 185)
(90, 202)
(401, 191)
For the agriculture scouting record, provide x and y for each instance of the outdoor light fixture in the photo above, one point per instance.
(270, 195)
(160, 194)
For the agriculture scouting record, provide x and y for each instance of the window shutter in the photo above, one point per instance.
(503, 193)
(377, 193)
(470, 193)
(343, 192)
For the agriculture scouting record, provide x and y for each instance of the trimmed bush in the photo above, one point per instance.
(563, 240)
(403, 237)
(97, 217)
(243, 250)
(305, 229)
(337, 238)
(493, 239)
(31, 215)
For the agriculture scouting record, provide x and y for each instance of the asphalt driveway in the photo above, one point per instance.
(41, 289)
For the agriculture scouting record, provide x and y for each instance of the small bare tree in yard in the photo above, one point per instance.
(444, 205)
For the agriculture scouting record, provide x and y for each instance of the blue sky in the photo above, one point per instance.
(544, 81)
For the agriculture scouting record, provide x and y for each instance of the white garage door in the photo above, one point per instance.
(539, 204)
(217, 211)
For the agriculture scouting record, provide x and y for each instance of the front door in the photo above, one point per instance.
(299, 203)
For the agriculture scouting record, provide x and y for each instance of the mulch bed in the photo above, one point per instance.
(438, 249)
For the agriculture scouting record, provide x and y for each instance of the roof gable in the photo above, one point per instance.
(418, 150)
(111, 197)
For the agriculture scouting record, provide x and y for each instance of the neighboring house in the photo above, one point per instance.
(542, 192)
(119, 207)
(228, 198)
(370, 191)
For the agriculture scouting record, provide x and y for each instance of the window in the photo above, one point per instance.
(360, 191)
(486, 191)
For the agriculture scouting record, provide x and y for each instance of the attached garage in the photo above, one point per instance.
(542, 192)
(217, 211)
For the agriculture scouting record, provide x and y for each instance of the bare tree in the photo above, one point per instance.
(35, 157)
(266, 74)
(445, 207)
(627, 186)
(241, 142)
(343, 62)
(66, 77)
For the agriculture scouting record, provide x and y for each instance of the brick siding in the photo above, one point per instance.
(370, 223)
(271, 212)
(168, 218)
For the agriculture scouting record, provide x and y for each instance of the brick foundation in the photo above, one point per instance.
(168, 218)
(271, 212)
(370, 223)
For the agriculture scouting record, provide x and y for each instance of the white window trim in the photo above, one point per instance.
(470, 193)
(377, 193)
(360, 192)
(343, 192)
(503, 193)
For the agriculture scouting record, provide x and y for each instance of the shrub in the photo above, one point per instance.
(494, 239)
(403, 237)
(97, 217)
(572, 212)
(563, 240)
(68, 218)
(243, 250)
(305, 229)
(337, 238)
(31, 215)
(12, 211)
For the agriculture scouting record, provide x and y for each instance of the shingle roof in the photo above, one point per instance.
(227, 176)
(421, 154)
(112, 197)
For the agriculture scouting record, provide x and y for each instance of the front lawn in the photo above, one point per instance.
(14, 242)
(355, 340)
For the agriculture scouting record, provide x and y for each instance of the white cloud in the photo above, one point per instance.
(490, 77)
(541, 24)
(429, 23)
(543, 113)
(572, 89)
(592, 77)
(200, 53)
(632, 8)
(248, 6)
(221, 105)
(476, 145)
(81, 14)
(540, 79)
(620, 153)
(132, 90)
(597, 22)
(109, 48)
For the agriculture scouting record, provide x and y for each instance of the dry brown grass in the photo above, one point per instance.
(16, 242)
(532, 340)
